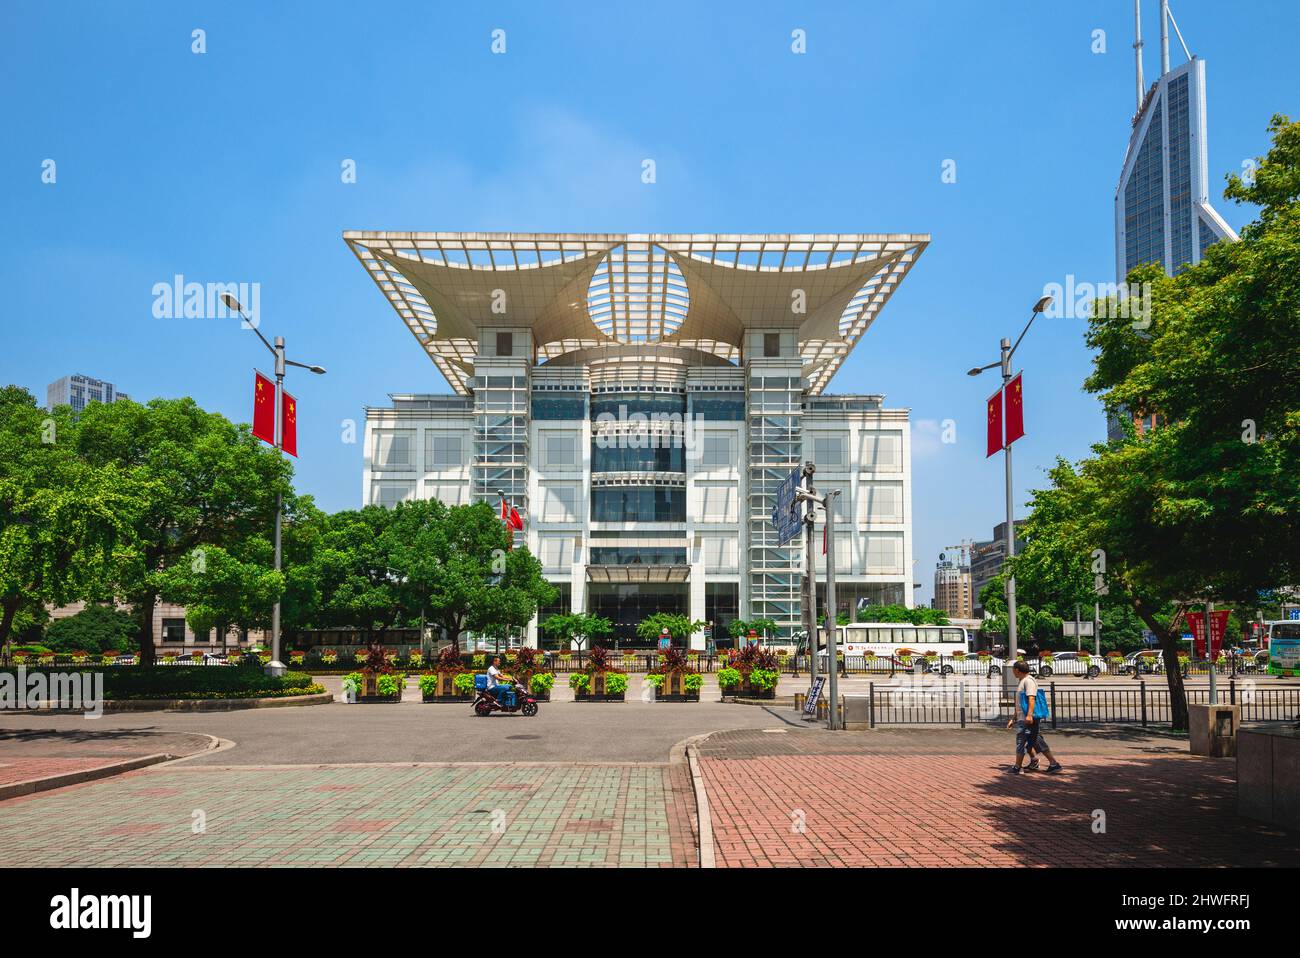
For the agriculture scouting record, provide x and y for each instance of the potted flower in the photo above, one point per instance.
(540, 685)
(107, 658)
(351, 687)
(80, 656)
(904, 657)
(47, 658)
(169, 658)
(329, 657)
(759, 672)
(447, 669)
(669, 677)
(600, 681)
(379, 681)
(416, 658)
(297, 657)
(728, 681)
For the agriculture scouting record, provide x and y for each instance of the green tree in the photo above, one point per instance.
(220, 591)
(456, 562)
(582, 628)
(1207, 505)
(680, 627)
(901, 613)
(96, 628)
(351, 572)
(62, 521)
(202, 481)
(739, 628)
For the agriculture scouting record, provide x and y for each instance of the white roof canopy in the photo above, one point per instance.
(582, 290)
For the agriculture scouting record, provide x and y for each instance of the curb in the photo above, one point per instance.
(215, 705)
(707, 856)
(33, 785)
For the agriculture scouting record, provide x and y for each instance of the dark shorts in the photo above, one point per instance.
(1028, 736)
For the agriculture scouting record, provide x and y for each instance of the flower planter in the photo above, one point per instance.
(446, 691)
(602, 697)
(674, 689)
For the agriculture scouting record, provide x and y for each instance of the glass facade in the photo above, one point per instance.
(1144, 199)
(638, 504)
(625, 457)
(775, 404)
(501, 439)
(637, 555)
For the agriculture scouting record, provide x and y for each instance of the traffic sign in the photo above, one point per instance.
(787, 513)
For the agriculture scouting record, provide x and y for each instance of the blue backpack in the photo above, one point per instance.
(1041, 710)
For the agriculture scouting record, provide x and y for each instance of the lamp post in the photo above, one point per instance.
(1008, 350)
(276, 667)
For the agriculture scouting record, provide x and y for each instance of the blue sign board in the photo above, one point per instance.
(810, 707)
(1293, 614)
(787, 513)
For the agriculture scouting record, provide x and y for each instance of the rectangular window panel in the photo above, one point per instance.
(556, 553)
(444, 450)
(560, 503)
(718, 449)
(721, 553)
(559, 450)
(450, 493)
(389, 492)
(831, 451)
(884, 553)
(882, 452)
(394, 449)
(719, 501)
(881, 502)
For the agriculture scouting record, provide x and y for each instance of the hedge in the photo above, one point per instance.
(172, 682)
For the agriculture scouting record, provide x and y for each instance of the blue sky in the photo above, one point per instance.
(225, 167)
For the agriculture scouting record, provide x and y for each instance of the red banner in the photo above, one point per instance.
(994, 423)
(1218, 626)
(288, 423)
(263, 408)
(1015, 411)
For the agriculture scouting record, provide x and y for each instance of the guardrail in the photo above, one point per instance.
(973, 665)
(965, 703)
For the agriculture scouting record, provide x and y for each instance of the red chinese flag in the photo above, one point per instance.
(505, 511)
(515, 521)
(1015, 411)
(263, 408)
(288, 423)
(994, 423)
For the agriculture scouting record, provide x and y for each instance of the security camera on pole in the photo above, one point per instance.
(1010, 395)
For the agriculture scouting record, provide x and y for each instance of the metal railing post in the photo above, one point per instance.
(1052, 688)
(871, 703)
(1144, 702)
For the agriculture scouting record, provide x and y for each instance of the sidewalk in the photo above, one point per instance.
(940, 797)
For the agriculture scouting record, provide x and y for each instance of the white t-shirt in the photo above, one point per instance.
(493, 672)
(1029, 687)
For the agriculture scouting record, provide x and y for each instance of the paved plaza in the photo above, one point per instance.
(594, 785)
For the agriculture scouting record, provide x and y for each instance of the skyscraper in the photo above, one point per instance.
(1162, 205)
(1162, 208)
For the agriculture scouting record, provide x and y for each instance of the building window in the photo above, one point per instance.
(448, 493)
(556, 553)
(881, 501)
(444, 450)
(389, 492)
(173, 630)
(560, 503)
(884, 554)
(559, 450)
(771, 345)
(830, 451)
(638, 504)
(718, 502)
(394, 450)
(721, 553)
(559, 407)
(882, 452)
(505, 344)
(718, 449)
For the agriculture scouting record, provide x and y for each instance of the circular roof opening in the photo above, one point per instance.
(637, 294)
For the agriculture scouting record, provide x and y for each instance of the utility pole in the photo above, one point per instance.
(832, 643)
(1010, 538)
(809, 593)
(1078, 630)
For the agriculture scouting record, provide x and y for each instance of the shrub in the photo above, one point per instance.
(693, 682)
(353, 679)
(428, 684)
(579, 681)
(764, 679)
(616, 683)
(656, 679)
(463, 682)
(479, 661)
(542, 683)
(728, 677)
(163, 682)
(390, 684)
(96, 628)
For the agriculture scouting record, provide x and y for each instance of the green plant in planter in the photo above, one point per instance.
(353, 680)
(615, 683)
(657, 680)
(693, 682)
(728, 677)
(390, 684)
(428, 684)
(764, 679)
(579, 681)
(463, 682)
(542, 682)
(479, 661)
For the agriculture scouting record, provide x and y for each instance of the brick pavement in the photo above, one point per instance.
(561, 815)
(926, 798)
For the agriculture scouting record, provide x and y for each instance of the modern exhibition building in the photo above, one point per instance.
(639, 397)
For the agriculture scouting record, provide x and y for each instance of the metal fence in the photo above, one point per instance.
(973, 665)
(963, 703)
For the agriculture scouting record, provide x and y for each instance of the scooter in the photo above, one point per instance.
(512, 697)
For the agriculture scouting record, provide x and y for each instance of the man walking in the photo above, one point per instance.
(1031, 709)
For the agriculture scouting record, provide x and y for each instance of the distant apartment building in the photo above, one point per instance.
(79, 391)
(986, 561)
(952, 588)
(172, 633)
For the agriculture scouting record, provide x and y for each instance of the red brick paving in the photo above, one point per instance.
(22, 768)
(815, 803)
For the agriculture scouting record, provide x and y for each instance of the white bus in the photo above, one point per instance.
(887, 638)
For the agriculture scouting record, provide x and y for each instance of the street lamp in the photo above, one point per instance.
(1008, 350)
(276, 667)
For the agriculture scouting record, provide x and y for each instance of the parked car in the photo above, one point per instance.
(1145, 661)
(1068, 663)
